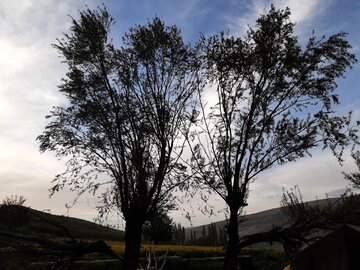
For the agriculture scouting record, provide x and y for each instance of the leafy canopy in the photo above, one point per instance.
(275, 103)
(126, 112)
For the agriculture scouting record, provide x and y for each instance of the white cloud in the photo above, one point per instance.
(30, 73)
(302, 12)
(315, 177)
(14, 58)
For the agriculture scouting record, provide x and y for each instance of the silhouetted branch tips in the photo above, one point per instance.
(275, 103)
(127, 112)
(307, 222)
(131, 109)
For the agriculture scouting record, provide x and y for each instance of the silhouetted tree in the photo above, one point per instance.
(212, 234)
(179, 234)
(124, 119)
(222, 236)
(159, 228)
(275, 104)
(203, 234)
(14, 200)
(183, 236)
(194, 236)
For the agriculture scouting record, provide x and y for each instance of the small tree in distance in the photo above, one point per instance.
(14, 200)
(178, 234)
(126, 112)
(275, 103)
(159, 229)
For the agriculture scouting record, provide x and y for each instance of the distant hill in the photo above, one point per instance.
(258, 222)
(44, 223)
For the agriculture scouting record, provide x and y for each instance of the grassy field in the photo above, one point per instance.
(180, 257)
(174, 250)
(189, 257)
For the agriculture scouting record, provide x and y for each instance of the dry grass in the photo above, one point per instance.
(173, 249)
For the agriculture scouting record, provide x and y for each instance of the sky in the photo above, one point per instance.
(30, 71)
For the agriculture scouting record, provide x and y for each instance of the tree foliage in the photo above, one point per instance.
(14, 200)
(129, 110)
(275, 102)
(178, 234)
(159, 229)
(126, 112)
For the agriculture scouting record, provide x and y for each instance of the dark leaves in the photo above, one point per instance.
(274, 101)
(127, 111)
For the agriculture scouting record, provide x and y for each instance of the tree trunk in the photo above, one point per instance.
(233, 242)
(133, 231)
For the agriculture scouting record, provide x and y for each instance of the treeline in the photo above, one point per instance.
(208, 235)
(162, 230)
(179, 237)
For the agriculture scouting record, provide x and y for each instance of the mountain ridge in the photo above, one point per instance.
(43, 222)
(257, 222)
(36, 221)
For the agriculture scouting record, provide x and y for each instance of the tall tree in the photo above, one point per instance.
(203, 234)
(179, 234)
(125, 116)
(274, 104)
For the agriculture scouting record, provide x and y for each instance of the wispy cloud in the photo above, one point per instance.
(188, 9)
(302, 12)
(336, 193)
(30, 73)
(315, 176)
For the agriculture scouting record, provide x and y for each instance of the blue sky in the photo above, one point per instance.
(30, 71)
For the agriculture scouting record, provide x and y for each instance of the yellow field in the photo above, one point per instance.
(120, 246)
